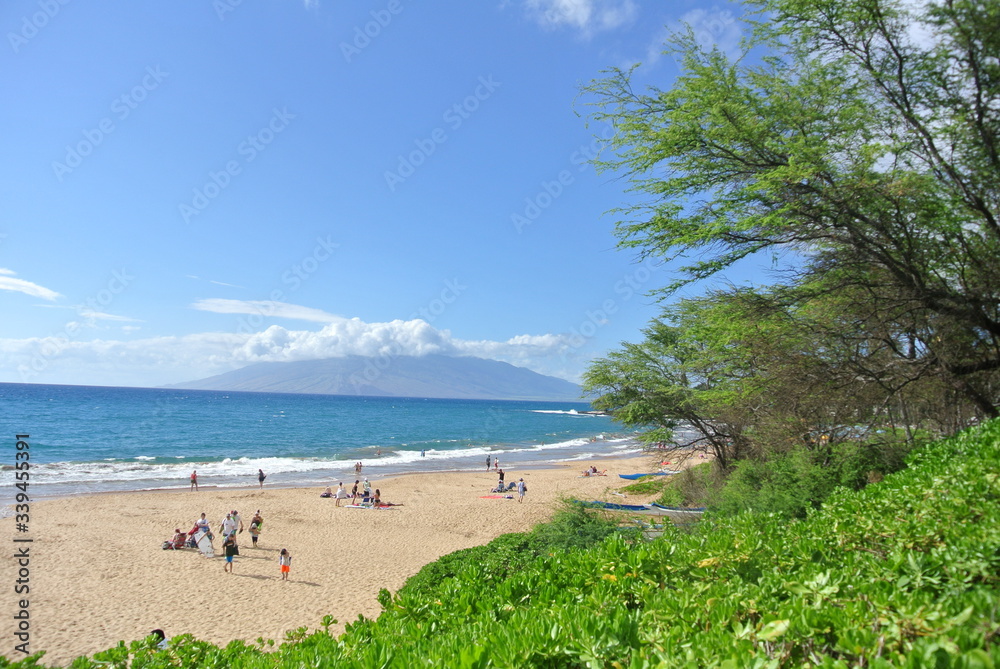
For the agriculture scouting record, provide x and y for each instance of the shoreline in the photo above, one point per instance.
(99, 575)
(629, 448)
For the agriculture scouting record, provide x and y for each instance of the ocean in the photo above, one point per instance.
(87, 439)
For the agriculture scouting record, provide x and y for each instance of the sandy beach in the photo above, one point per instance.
(98, 574)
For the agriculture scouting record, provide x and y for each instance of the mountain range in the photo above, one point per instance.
(436, 376)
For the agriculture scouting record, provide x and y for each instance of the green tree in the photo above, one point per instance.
(862, 135)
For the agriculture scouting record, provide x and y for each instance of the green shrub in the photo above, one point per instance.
(696, 485)
(574, 527)
(497, 559)
(647, 485)
(792, 482)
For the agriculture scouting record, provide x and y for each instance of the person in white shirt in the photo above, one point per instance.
(228, 526)
(341, 493)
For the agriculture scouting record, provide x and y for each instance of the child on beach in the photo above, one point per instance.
(285, 561)
(203, 526)
(231, 550)
(255, 524)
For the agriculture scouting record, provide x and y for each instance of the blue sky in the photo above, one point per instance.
(188, 188)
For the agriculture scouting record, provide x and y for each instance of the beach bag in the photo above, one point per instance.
(167, 545)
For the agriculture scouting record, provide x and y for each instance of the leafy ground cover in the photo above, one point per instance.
(903, 573)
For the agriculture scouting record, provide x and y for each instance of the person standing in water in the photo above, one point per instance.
(194, 480)
(260, 478)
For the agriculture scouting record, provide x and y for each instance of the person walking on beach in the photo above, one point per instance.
(496, 464)
(521, 489)
(229, 545)
(354, 492)
(488, 459)
(285, 562)
(228, 527)
(238, 519)
(255, 524)
(194, 480)
(260, 478)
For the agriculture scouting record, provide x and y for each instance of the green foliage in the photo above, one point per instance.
(573, 527)
(496, 560)
(647, 485)
(696, 485)
(689, 488)
(788, 484)
(868, 156)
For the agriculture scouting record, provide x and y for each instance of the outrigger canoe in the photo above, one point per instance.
(676, 514)
(633, 477)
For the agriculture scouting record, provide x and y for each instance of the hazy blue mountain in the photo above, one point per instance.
(402, 376)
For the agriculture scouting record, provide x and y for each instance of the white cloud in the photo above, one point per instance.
(715, 28)
(217, 283)
(266, 308)
(346, 337)
(164, 360)
(101, 316)
(8, 282)
(586, 16)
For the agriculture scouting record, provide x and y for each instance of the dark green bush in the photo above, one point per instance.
(574, 527)
(497, 559)
(792, 482)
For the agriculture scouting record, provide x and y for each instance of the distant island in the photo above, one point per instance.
(434, 376)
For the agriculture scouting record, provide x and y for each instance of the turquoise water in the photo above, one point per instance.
(98, 439)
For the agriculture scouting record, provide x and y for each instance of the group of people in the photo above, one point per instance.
(229, 529)
(495, 461)
(503, 487)
(359, 497)
(593, 471)
(260, 478)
